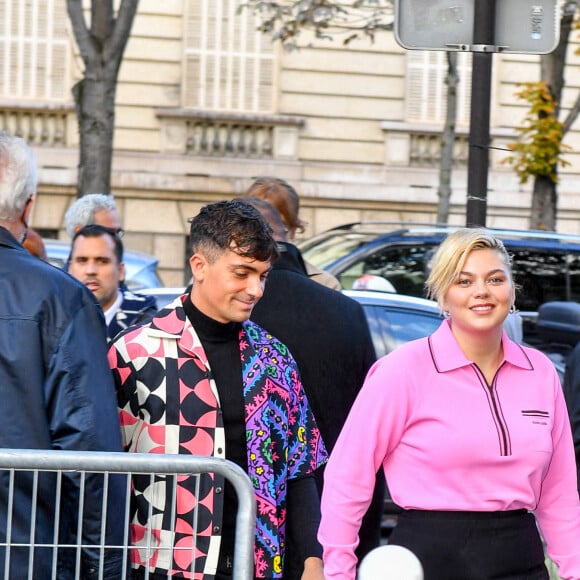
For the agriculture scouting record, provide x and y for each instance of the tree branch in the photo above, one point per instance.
(572, 115)
(101, 20)
(115, 46)
(284, 20)
(86, 46)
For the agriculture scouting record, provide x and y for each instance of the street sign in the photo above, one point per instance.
(521, 26)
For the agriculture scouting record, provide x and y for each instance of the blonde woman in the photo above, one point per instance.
(472, 432)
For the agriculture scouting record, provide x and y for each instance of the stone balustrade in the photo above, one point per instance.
(221, 134)
(39, 124)
(425, 150)
(415, 145)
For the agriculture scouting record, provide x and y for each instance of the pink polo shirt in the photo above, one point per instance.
(448, 441)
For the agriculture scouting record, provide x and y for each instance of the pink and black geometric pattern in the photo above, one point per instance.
(169, 404)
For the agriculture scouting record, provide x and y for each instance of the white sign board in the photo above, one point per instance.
(521, 26)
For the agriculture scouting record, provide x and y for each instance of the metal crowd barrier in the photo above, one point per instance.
(81, 465)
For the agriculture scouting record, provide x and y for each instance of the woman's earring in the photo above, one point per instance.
(447, 314)
(513, 309)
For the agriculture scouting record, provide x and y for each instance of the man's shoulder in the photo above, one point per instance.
(257, 333)
(168, 322)
(322, 277)
(131, 333)
(40, 292)
(135, 302)
(266, 343)
(39, 278)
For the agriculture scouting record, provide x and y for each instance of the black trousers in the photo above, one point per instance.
(473, 545)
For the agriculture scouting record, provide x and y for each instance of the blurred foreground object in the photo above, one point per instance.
(390, 563)
(34, 244)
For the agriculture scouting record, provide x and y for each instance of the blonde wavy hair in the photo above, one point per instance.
(449, 259)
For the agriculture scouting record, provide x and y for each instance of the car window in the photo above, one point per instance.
(57, 261)
(404, 266)
(331, 249)
(392, 327)
(545, 275)
(137, 278)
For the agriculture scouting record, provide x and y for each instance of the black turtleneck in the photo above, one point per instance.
(220, 342)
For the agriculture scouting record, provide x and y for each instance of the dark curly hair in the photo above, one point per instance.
(232, 225)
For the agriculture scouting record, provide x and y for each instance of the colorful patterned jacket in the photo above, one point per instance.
(169, 404)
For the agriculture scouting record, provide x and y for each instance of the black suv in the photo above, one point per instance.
(546, 265)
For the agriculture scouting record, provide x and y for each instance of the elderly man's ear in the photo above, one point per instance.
(20, 229)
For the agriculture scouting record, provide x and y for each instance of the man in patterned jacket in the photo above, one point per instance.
(201, 378)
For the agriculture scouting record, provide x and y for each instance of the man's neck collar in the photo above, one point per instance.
(114, 308)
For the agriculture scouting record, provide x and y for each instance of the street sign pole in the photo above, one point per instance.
(481, 27)
(478, 162)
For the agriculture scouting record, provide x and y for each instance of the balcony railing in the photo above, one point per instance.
(38, 123)
(221, 134)
(414, 145)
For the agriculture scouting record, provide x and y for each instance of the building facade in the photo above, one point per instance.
(205, 104)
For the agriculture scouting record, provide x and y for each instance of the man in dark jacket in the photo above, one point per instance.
(57, 393)
(328, 335)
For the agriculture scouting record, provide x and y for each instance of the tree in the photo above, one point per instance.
(352, 19)
(448, 140)
(538, 150)
(326, 18)
(101, 47)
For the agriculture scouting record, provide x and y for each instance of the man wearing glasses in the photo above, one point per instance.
(93, 208)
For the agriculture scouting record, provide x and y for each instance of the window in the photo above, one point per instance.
(229, 65)
(426, 94)
(544, 275)
(34, 49)
(405, 266)
(392, 326)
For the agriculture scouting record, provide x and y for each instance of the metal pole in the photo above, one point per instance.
(478, 164)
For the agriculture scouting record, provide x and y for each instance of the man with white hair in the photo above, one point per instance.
(57, 393)
(93, 208)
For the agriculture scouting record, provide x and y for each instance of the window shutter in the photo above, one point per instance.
(34, 49)
(228, 64)
(426, 90)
